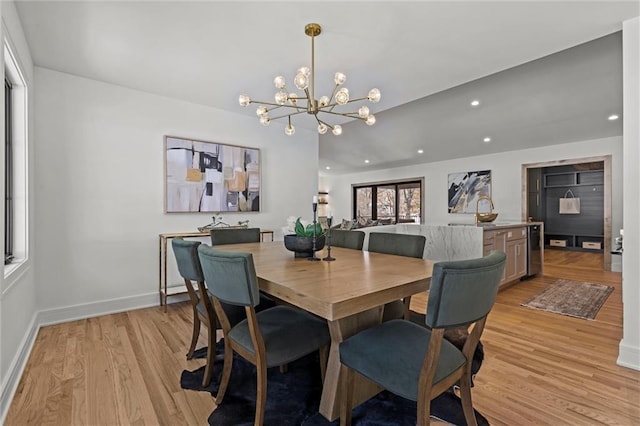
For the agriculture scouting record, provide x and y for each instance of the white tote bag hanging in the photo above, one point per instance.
(569, 204)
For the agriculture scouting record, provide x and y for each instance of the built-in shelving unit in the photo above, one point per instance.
(583, 231)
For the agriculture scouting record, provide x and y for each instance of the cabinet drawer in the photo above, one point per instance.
(516, 233)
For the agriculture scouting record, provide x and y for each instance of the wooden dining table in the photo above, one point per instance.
(349, 293)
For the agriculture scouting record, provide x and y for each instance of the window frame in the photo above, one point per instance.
(374, 195)
(8, 174)
(19, 101)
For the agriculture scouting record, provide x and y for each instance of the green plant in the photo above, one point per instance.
(302, 231)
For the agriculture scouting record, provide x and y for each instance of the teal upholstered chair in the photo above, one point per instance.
(347, 239)
(234, 235)
(400, 245)
(415, 362)
(272, 337)
(186, 253)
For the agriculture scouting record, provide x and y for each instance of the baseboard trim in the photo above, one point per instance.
(66, 314)
(628, 356)
(10, 385)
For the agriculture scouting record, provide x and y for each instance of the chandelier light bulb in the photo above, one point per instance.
(244, 100)
(261, 110)
(265, 120)
(279, 82)
(337, 130)
(304, 70)
(340, 78)
(324, 101)
(363, 112)
(342, 96)
(301, 81)
(289, 130)
(371, 120)
(281, 97)
(374, 95)
(322, 128)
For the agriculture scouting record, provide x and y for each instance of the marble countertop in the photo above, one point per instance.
(497, 225)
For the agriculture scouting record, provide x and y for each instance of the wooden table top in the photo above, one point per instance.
(355, 282)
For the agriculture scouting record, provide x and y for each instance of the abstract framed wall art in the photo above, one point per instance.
(465, 188)
(210, 177)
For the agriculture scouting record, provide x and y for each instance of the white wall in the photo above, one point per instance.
(18, 296)
(506, 169)
(99, 177)
(629, 355)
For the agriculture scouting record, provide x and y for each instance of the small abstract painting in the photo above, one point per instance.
(210, 177)
(465, 188)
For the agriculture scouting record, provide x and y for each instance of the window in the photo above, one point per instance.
(395, 202)
(16, 167)
(8, 176)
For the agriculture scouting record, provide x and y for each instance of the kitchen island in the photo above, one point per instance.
(460, 241)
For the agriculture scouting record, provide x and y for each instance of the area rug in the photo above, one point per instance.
(572, 298)
(293, 398)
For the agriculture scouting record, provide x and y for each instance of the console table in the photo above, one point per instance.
(163, 289)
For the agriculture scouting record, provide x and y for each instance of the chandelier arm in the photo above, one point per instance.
(287, 115)
(344, 114)
(335, 89)
(277, 105)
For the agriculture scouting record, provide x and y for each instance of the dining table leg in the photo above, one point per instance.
(363, 389)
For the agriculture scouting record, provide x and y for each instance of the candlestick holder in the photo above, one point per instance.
(328, 258)
(313, 240)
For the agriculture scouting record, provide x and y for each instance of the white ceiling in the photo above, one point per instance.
(210, 52)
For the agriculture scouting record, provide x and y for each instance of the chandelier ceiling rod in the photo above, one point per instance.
(305, 81)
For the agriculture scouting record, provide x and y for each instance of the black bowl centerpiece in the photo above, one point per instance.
(301, 243)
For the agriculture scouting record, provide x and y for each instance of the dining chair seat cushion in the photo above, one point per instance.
(288, 334)
(391, 354)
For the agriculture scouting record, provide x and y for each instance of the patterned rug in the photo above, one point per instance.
(572, 298)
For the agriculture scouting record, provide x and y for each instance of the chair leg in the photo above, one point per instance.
(346, 388)
(261, 394)
(194, 335)
(465, 396)
(226, 371)
(211, 356)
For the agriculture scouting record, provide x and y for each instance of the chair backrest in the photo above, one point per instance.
(399, 244)
(231, 277)
(234, 236)
(463, 291)
(186, 253)
(347, 239)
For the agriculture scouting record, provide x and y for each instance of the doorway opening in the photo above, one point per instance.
(573, 200)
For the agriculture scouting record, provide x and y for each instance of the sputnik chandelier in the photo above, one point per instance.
(304, 80)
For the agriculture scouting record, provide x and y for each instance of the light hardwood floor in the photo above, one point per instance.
(539, 368)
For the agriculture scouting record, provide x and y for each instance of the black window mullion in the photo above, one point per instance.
(8, 175)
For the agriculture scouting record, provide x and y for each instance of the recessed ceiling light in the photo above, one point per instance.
(366, 161)
(487, 139)
(420, 151)
(475, 103)
(613, 117)
(328, 167)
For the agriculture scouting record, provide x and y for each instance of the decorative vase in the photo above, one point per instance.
(303, 246)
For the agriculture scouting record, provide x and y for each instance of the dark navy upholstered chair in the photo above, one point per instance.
(401, 245)
(234, 235)
(415, 362)
(269, 338)
(347, 239)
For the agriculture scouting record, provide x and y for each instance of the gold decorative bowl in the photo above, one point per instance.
(486, 217)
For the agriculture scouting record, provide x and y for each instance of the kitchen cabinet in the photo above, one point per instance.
(513, 242)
